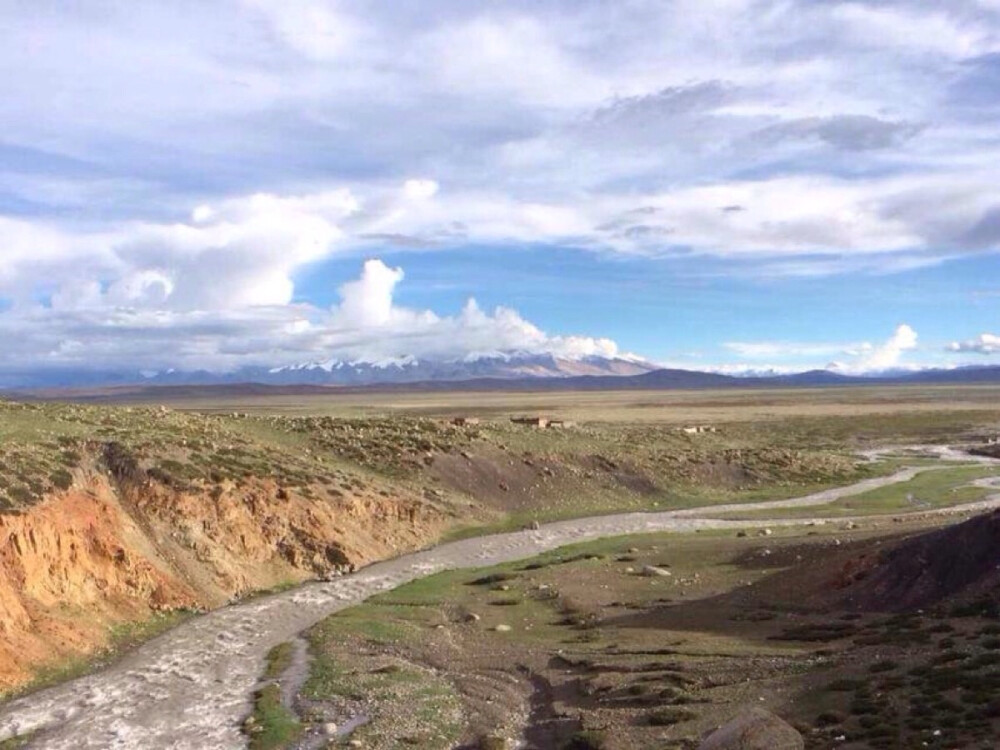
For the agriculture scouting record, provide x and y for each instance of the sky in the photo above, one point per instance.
(733, 185)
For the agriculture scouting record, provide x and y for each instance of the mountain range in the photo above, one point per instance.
(499, 372)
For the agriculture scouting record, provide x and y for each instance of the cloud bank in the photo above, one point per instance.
(167, 172)
(986, 343)
(154, 333)
(835, 126)
(849, 358)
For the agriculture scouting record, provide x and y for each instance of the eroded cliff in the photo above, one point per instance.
(111, 549)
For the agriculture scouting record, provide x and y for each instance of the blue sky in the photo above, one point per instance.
(735, 185)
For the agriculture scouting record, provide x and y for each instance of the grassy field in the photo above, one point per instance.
(929, 490)
(586, 648)
(767, 441)
(672, 406)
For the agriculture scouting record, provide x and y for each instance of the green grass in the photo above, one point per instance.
(271, 726)
(41, 444)
(14, 743)
(936, 488)
(930, 489)
(278, 660)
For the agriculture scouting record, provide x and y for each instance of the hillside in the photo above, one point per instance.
(958, 563)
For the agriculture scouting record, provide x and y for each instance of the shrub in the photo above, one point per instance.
(588, 740)
(844, 685)
(886, 665)
(666, 717)
(491, 579)
(830, 718)
(61, 479)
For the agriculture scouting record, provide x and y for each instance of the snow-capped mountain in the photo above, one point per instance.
(410, 370)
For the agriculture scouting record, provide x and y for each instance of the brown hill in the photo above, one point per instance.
(955, 562)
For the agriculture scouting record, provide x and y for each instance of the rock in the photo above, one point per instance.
(765, 532)
(652, 570)
(330, 728)
(741, 534)
(472, 617)
(535, 526)
(502, 628)
(754, 729)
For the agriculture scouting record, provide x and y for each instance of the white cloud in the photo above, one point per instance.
(915, 30)
(87, 328)
(541, 123)
(854, 357)
(319, 30)
(784, 349)
(884, 356)
(986, 343)
(367, 302)
(420, 189)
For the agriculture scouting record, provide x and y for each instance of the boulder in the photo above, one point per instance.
(754, 729)
(654, 571)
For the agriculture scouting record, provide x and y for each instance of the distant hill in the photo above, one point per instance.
(206, 385)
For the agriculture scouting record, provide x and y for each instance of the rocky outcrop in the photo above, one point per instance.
(945, 564)
(754, 729)
(117, 547)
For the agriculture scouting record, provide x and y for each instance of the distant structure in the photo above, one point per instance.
(465, 421)
(540, 422)
(698, 429)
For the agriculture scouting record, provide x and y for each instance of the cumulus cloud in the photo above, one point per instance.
(884, 356)
(985, 343)
(366, 325)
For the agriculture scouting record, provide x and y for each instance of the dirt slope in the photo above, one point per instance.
(952, 563)
(108, 551)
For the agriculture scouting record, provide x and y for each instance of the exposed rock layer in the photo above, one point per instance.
(111, 550)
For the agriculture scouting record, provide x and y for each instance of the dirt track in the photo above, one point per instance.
(190, 687)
